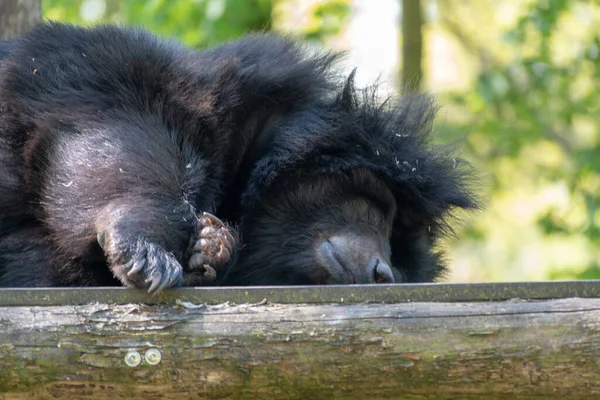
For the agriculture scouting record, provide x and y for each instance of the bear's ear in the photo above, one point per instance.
(347, 97)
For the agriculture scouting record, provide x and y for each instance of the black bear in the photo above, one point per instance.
(117, 150)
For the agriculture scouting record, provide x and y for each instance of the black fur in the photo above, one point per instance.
(321, 159)
(113, 131)
(5, 46)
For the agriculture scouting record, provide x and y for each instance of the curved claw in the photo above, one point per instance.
(155, 282)
(212, 218)
(228, 236)
(137, 267)
(171, 277)
(210, 274)
(101, 238)
(162, 286)
(224, 253)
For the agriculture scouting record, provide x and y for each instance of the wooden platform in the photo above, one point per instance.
(435, 341)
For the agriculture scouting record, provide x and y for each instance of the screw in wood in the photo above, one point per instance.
(133, 358)
(153, 356)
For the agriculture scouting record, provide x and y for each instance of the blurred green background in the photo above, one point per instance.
(518, 83)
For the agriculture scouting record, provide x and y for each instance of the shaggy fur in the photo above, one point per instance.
(113, 143)
(320, 160)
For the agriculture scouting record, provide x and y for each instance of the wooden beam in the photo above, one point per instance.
(343, 294)
(521, 349)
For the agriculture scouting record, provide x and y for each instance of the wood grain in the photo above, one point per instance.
(496, 350)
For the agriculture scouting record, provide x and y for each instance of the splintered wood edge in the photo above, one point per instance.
(337, 294)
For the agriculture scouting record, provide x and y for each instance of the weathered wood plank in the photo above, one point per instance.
(494, 350)
(428, 292)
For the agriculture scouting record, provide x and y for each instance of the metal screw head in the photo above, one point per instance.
(133, 358)
(152, 356)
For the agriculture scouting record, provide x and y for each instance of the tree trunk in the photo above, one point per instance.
(412, 45)
(17, 16)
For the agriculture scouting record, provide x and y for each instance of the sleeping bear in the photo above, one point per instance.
(126, 159)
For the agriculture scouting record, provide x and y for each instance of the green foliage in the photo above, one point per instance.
(198, 23)
(533, 119)
(328, 18)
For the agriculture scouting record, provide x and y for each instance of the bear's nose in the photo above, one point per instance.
(353, 259)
